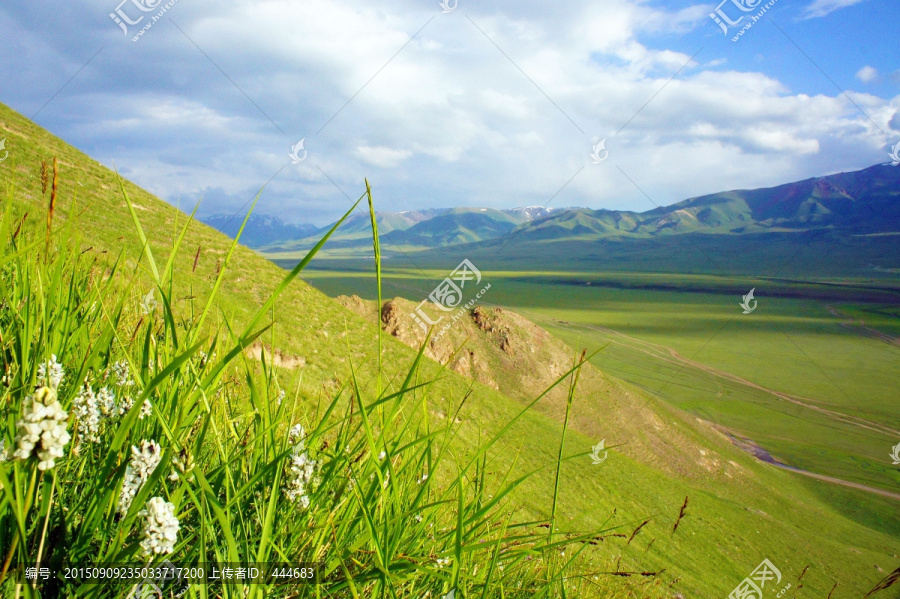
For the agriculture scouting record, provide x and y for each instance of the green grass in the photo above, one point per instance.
(388, 507)
(788, 345)
(739, 511)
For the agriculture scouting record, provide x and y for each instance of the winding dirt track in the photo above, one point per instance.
(667, 354)
(859, 325)
(839, 481)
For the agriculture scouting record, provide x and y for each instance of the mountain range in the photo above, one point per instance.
(260, 229)
(418, 228)
(865, 202)
(860, 202)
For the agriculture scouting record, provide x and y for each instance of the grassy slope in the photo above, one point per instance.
(738, 514)
(783, 346)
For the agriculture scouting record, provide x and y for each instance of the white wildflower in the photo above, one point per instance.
(123, 374)
(280, 397)
(86, 408)
(442, 562)
(146, 409)
(143, 462)
(50, 373)
(382, 455)
(422, 479)
(183, 463)
(418, 517)
(42, 429)
(296, 434)
(160, 527)
(107, 401)
(301, 476)
(124, 405)
(3, 457)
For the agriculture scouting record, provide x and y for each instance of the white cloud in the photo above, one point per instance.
(381, 157)
(450, 119)
(451, 113)
(867, 74)
(821, 8)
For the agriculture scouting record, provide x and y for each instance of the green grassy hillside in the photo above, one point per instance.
(861, 202)
(737, 511)
(808, 376)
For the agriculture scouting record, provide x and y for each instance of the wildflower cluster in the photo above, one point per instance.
(122, 374)
(91, 408)
(301, 477)
(160, 527)
(123, 381)
(50, 373)
(183, 463)
(86, 408)
(143, 462)
(41, 431)
(107, 402)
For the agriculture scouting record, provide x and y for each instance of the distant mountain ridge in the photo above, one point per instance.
(421, 229)
(861, 202)
(261, 229)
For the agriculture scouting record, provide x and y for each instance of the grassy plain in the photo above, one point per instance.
(800, 375)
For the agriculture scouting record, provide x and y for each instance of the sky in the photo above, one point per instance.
(617, 104)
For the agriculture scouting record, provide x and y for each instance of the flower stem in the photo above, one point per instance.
(44, 532)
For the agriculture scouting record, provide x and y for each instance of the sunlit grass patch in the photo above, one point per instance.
(136, 430)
